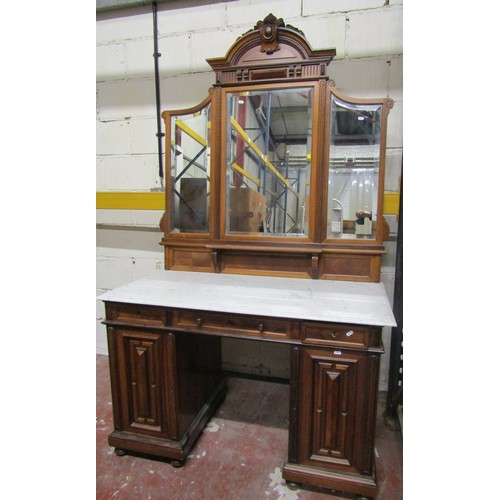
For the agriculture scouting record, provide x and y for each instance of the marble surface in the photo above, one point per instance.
(317, 300)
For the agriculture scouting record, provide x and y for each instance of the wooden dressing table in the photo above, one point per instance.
(164, 336)
(263, 240)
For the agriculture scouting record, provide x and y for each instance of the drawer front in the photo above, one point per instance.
(233, 323)
(134, 314)
(333, 334)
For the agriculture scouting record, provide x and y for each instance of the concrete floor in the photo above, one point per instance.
(238, 456)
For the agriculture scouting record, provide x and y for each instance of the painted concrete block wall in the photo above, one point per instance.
(367, 35)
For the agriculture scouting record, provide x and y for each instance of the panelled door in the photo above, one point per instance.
(338, 406)
(142, 382)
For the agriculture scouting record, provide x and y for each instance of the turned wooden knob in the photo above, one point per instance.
(260, 327)
(199, 321)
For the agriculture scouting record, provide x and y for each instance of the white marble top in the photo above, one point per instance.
(295, 298)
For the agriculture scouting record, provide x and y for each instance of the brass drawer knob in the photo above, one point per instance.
(260, 327)
(199, 321)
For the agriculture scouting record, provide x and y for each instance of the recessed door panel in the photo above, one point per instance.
(142, 382)
(335, 396)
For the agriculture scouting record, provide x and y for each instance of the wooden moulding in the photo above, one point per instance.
(322, 478)
(293, 264)
(180, 258)
(268, 260)
(271, 51)
(348, 266)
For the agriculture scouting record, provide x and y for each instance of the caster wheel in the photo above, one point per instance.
(120, 452)
(292, 486)
(177, 463)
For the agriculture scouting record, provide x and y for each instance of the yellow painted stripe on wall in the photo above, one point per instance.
(147, 200)
(133, 200)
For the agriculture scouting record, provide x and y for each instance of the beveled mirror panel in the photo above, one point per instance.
(268, 161)
(353, 168)
(190, 172)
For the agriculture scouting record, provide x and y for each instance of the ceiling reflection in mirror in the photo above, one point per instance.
(190, 172)
(353, 170)
(268, 168)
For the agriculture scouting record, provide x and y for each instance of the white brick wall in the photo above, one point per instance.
(139, 218)
(247, 12)
(129, 173)
(121, 99)
(375, 32)
(110, 62)
(195, 18)
(367, 35)
(112, 138)
(345, 73)
(110, 29)
(313, 7)
(324, 32)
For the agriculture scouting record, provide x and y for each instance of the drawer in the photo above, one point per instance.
(234, 324)
(334, 334)
(135, 314)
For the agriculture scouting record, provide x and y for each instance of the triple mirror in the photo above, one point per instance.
(276, 172)
(267, 154)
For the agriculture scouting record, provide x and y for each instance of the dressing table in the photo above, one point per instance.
(273, 232)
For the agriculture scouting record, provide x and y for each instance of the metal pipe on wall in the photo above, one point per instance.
(157, 55)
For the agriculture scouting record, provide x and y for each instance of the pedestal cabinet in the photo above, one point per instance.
(273, 231)
(164, 385)
(164, 335)
(337, 398)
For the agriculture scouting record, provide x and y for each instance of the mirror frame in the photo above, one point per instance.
(275, 55)
(314, 86)
(169, 214)
(380, 225)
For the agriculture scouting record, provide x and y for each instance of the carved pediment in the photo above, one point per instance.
(268, 29)
(271, 50)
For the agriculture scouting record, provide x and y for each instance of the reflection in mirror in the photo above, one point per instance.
(190, 172)
(353, 169)
(268, 161)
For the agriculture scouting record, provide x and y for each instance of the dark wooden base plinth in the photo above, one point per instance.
(175, 450)
(351, 483)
